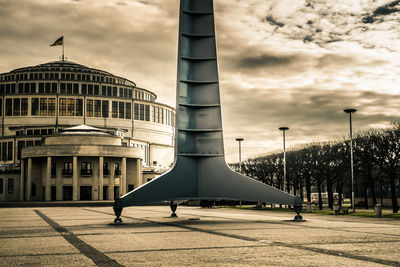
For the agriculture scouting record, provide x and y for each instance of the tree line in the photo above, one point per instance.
(326, 166)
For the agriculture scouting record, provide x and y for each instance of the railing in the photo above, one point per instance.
(67, 172)
(86, 172)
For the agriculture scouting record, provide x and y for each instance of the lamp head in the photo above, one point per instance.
(283, 128)
(350, 110)
(239, 139)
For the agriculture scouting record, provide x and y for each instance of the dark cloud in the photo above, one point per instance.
(273, 22)
(382, 11)
(265, 61)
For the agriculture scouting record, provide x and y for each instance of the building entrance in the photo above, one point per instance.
(53, 193)
(67, 192)
(86, 193)
(105, 192)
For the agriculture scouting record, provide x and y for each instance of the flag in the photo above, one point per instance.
(59, 41)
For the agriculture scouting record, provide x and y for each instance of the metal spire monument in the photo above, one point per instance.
(200, 171)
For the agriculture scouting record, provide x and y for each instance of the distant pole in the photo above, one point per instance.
(240, 153)
(283, 129)
(350, 111)
(62, 57)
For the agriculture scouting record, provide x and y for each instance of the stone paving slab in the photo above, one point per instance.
(85, 236)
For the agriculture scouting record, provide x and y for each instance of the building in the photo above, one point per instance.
(39, 107)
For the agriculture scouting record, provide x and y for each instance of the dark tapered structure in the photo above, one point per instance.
(200, 171)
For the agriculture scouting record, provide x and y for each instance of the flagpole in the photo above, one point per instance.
(62, 58)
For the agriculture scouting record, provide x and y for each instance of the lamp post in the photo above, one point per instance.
(350, 111)
(240, 153)
(283, 129)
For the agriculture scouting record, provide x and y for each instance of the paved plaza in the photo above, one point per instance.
(85, 236)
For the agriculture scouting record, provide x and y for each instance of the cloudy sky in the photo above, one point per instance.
(288, 63)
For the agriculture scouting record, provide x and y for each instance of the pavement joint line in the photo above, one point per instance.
(296, 246)
(95, 255)
(185, 249)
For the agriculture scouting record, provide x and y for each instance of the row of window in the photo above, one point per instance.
(74, 88)
(60, 76)
(94, 108)
(40, 131)
(86, 169)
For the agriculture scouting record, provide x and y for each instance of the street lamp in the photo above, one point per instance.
(240, 153)
(283, 129)
(350, 111)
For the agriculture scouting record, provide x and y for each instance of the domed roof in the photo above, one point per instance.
(65, 65)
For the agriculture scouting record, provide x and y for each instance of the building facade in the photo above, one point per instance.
(38, 102)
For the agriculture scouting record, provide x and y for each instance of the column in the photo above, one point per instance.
(123, 177)
(139, 176)
(48, 180)
(29, 181)
(75, 178)
(22, 180)
(101, 181)
(112, 182)
(59, 184)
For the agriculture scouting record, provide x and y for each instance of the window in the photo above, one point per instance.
(63, 107)
(97, 108)
(115, 91)
(33, 87)
(86, 168)
(121, 110)
(96, 89)
(10, 151)
(67, 168)
(71, 107)
(10, 187)
(4, 151)
(24, 106)
(130, 93)
(121, 92)
(128, 110)
(21, 145)
(117, 170)
(141, 112)
(114, 109)
(106, 170)
(41, 88)
(84, 88)
(53, 169)
(161, 115)
(125, 92)
(103, 90)
(62, 88)
(108, 90)
(90, 89)
(76, 88)
(89, 107)
(1, 185)
(43, 106)
(136, 111)
(1, 106)
(17, 106)
(51, 107)
(9, 107)
(47, 88)
(79, 107)
(69, 88)
(54, 88)
(104, 107)
(147, 113)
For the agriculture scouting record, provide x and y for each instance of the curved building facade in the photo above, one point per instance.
(40, 101)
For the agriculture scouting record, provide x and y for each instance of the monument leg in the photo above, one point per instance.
(173, 205)
(117, 211)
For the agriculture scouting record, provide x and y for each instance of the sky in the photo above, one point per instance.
(294, 63)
